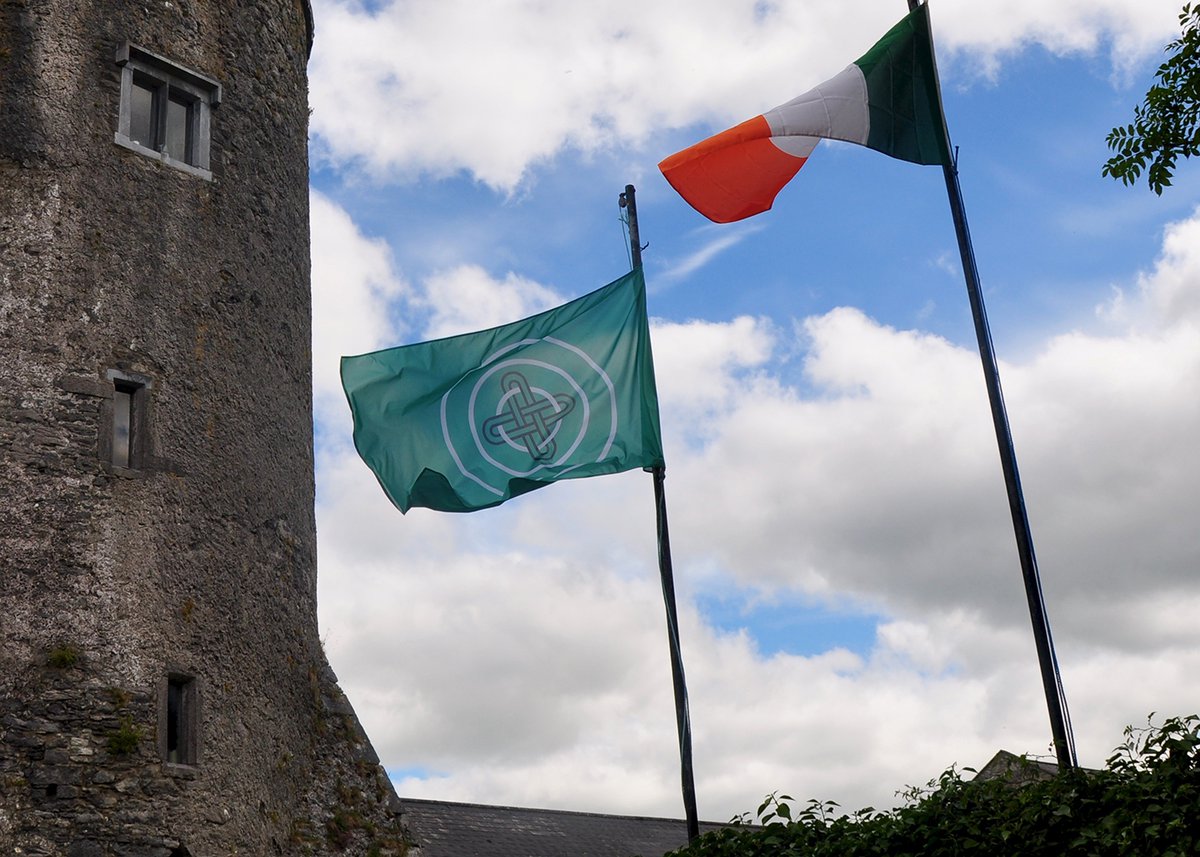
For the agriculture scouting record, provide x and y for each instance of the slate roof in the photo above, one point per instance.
(1017, 770)
(443, 829)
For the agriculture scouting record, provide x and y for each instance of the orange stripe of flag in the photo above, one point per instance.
(734, 174)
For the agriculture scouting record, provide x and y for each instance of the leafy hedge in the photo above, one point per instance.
(1144, 803)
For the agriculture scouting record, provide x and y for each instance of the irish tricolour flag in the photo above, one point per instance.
(888, 100)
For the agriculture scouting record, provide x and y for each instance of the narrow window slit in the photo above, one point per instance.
(124, 397)
(179, 742)
(126, 422)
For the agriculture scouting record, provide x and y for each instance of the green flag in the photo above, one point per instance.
(467, 422)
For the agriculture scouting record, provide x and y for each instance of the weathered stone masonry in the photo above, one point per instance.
(195, 564)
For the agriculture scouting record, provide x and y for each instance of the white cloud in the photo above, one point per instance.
(508, 674)
(718, 241)
(701, 364)
(1127, 30)
(353, 283)
(424, 87)
(878, 476)
(1171, 288)
(508, 651)
(467, 298)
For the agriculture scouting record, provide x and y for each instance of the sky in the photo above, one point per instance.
(853, 619)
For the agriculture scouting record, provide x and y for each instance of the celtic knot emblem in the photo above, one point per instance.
(533, 409)
(527, 417)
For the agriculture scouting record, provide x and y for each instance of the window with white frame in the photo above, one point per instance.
(166, 110)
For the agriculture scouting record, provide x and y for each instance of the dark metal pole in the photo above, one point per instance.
(628, 201)
(1064, 746)
(682, 716)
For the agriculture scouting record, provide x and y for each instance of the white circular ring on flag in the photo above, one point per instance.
(556, 367)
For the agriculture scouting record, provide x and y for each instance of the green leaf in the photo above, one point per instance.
(1167, 123)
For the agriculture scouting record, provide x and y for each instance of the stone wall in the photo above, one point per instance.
(81, 776)
(198, 560)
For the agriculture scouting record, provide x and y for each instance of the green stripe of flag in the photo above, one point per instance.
(906, 119)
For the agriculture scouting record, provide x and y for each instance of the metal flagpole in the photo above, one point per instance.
(1064, 744)
(682, 716)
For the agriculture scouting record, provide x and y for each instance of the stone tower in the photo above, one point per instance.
(162, 686)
